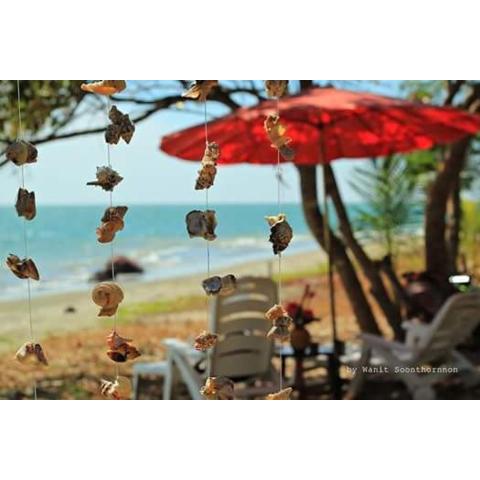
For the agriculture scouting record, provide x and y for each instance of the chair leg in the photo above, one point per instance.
(135, 385)
(358, 381)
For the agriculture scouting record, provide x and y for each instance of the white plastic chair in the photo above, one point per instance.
(243, 353)
(430, 345)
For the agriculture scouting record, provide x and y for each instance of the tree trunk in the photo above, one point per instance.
(377, 288)
(455, 216)
(351, 283)
(436, 250)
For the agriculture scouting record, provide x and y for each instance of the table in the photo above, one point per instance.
(313, 351)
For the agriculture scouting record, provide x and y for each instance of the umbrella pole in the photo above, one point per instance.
(334, 361)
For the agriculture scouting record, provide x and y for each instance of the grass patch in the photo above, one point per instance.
(319, 269)
(130, 313)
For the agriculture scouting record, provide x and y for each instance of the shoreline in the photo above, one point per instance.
(50, 318)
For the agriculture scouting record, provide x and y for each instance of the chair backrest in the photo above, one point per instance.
(243, 350)
(452, 325)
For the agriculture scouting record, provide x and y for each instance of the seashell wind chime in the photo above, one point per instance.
(109, 295)
(202, 224)
(22, 153)
(281, 232)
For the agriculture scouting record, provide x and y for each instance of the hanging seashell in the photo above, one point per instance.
(275, 312)
(281, 232)
(205, 341)
(220, 285)
(281, 322)
(21, 152)
(107, 295)
(200, 89)
(25, 205)
(281, 395)
(201, 224)
(229, 285)
(276, 133)
(119, 389)
(107, 178)
(115, 341)
(121, 127)
(112, 222)
(22, 268)
(120, 349)
(105, 87)
(218, 388)
(31, 352)
(206, 175)
(276, 88)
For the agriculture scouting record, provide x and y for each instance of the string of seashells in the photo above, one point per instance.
(109, 295)
(202, 224)
(22, 153)
(281, 232)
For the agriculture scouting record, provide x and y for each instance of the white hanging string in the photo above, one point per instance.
(279, 205)
(25, 236)
(209, 358)
(111, 243)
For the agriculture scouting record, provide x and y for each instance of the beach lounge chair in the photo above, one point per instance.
(243, 353)
(428, 356)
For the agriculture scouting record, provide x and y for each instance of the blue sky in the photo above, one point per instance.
(150, 176)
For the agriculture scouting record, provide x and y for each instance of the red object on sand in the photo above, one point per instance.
(327, 123)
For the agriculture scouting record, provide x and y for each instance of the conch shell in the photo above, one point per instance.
(205, 340)
(107, 295)
(25, 204)
(120, 349)
(281, 395)
(105, 87)
(21, 152)
(201, 224)
(206, 175)
(276, 133)
(22, 268)
(276, 88)
(220, 285)
(121, 127)
(107, 178)
(281, 322)
(200, 89)
(119, 389)
(32, 353)
(218, 388)
(281, 232)
(112, 222)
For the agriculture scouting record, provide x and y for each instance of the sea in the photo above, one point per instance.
(62, 242)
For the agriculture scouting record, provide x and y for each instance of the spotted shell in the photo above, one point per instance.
(276, 88)
(25, 204)
(107, 178)
(22, 268)
(119, 389)
(104, 87)
(31, 352)
(205, 341)
(200, 89)
(277, 134)
(280, 395)
(107, 295)
(21, 152)
(280, 329)
(218, 388)
(216, 285)
(112, 222)
(275, 312)
(201, 224)
(121, 127)
(281, 232)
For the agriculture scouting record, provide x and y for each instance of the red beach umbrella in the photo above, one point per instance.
(327, 124)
